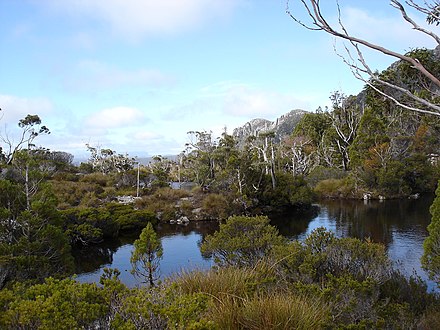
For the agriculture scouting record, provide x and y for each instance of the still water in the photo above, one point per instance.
(398, 224)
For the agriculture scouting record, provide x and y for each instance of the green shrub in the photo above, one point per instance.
(431, 245)
(136, 219)
(215, 207)
(160, 308)
(289, 192)
(242, 241)
(54, 304)
(98, 178)
(76, 193)
(66, 176)
(335, 188)
(321, 173)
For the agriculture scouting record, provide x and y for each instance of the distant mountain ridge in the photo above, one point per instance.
(282, 126)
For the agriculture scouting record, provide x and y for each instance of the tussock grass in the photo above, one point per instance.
(222, 281)
(281, 311)
(252, 298)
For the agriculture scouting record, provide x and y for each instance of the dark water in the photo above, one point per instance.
(398, 224)
(181, 251)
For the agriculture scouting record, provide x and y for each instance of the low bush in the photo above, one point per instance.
(215, 207)
(335, 188)
(76, 193)
(98, 178)
(242, 241)
(321, 173)
(290, 192)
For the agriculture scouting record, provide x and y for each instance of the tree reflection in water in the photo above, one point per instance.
(399, 224)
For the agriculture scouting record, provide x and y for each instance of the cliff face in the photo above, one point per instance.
(282, 126)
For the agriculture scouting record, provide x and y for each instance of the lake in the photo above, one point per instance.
(398, 224)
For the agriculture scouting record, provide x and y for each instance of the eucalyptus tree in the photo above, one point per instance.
(32, 242)
(199, 157)
(263, 143)
(31, 128)
(345, 118)
(161, 168)
(107, 160)
(231, 164)
(311, 135)
(300, 154)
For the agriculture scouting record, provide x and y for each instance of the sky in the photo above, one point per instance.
(136, 75)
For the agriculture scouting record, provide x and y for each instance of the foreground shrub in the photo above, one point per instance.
(322, 253)
(242, 241)
(431, 245)
(54, 304)
(355, 277)
(161, 308)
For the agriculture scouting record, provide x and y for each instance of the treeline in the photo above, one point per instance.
(364, 145)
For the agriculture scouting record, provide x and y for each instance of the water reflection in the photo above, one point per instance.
(379, 221)
(401, 225)
(293, 224)
(398, 224)
(91, 258)
(181, 246)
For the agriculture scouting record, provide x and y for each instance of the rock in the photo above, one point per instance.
(414, 196)
(183, 220)
(282, 126)
(127, 199)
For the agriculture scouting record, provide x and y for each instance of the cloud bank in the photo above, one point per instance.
(134, 19)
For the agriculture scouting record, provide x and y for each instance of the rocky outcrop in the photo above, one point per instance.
(282, 126)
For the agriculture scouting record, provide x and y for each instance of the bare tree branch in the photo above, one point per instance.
(396, 4)
(359, 66)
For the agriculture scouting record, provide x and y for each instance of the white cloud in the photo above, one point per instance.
(144, 135)
(117, 117)
(391, 30)
(239, 100)
(92, 76)
(15, 108)
(135, 19)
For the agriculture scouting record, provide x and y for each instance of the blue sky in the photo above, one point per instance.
(137, 75)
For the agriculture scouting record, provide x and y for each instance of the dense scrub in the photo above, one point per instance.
(323, 282)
